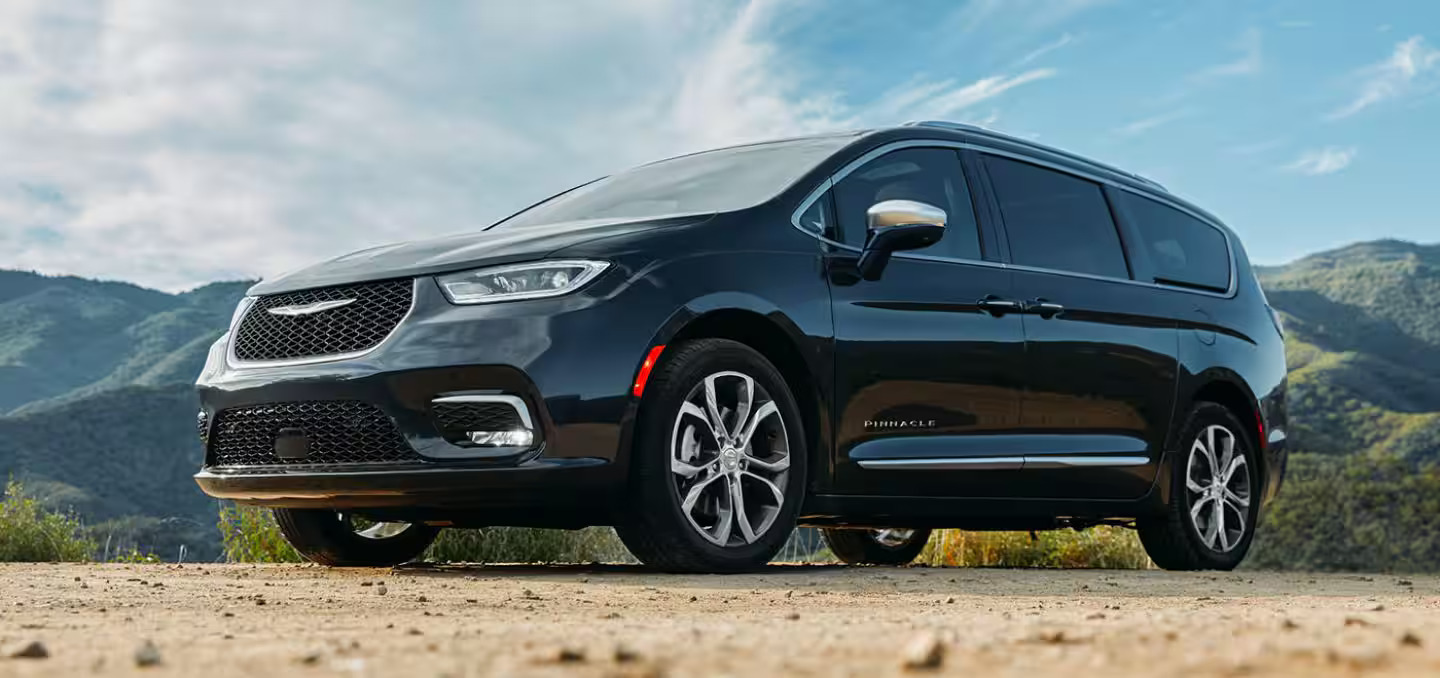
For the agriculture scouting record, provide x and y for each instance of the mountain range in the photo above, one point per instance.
(97, 407)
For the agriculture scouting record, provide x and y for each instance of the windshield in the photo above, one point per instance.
(713, 181)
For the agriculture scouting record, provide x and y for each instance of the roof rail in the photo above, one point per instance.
(966, 127)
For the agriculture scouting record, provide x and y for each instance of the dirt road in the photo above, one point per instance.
(228, 620)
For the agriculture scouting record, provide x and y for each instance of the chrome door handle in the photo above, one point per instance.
(997, 307)
(1044, 308)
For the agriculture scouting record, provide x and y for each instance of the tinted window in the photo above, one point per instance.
(929, 175)
(1182, 249)
(714, 181)
(817, 219)
(1055, 220)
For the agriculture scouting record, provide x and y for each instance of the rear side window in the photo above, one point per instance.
(929, 175)
(1183, 250)
(1055, 220)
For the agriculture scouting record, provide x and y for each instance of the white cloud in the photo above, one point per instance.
(1042, 50)
(1328, 160)
(173, 143)
(1146, 124)
(1250, 61)
(1028, 14)
(1410, 67)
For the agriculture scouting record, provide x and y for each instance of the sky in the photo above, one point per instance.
(176, 143)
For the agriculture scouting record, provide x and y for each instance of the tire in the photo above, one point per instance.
(334, 539)
(890, 546)
(1177, 541)
(684, 479)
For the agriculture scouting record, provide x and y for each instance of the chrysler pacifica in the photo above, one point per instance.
(876, 333)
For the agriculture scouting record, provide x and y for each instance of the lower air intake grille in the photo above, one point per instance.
(338, 431)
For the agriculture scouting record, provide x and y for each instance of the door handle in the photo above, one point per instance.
(1044, 308)
(997, 307)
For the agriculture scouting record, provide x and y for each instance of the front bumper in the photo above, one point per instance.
(570, 360)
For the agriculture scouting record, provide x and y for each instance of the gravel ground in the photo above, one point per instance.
(230, 620)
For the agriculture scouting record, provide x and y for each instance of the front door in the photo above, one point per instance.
(929, 365)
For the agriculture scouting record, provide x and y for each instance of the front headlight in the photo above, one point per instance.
(520, 281)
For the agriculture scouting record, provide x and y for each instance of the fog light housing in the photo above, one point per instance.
(491, 420)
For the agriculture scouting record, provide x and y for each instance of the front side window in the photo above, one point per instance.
(1183, 250)
(714, 181)
(1055, 220)
(928, 175)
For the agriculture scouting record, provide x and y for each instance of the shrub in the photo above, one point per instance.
(31, 533)
(1097, 547)
(1356, 513)
(529, 545)
(250, 535)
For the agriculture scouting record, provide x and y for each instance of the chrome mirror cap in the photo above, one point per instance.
(890, 213)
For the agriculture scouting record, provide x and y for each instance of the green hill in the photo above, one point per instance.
(1363, 338)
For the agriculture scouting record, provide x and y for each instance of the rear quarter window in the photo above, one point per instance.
(1182, 249)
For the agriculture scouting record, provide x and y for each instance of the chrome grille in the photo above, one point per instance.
(358, 326)
(339, 432)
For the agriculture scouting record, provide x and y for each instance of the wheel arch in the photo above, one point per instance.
(1230, 391)
(762, 326)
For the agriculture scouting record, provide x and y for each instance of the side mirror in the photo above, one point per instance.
(897, 225)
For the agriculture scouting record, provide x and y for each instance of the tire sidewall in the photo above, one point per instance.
(661, 406)
(1204, 416)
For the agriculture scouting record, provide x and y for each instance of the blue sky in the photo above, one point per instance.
(174, 143)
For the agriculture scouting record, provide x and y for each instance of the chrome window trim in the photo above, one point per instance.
(234, 363)
(1164, 199)
(515, 402)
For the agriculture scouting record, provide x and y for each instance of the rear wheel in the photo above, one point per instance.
(886, 546)
(719, 461)
(1210, 520)
(346, 540)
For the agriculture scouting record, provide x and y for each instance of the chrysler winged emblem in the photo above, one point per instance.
(307, 309)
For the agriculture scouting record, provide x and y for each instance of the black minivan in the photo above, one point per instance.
(876, 333)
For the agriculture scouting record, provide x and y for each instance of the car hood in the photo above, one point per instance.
(459, 252)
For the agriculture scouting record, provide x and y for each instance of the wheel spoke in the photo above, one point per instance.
(1239, 502)
(693, 496)
(1235, 465)
(774, 489)
(1209, 448)
(765, 410)
(691, 409)
(681, 468)
(737, 502)
(776, 466)
(1218, 516)
(1195, 510)
(717, 423)
(745, 400)
(1192, 485)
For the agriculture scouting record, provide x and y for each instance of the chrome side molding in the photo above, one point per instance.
(1003, 463)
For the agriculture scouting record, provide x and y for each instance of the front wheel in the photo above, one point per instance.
(886, 546)
(1214, 497)
(719, 461)
(345, 540)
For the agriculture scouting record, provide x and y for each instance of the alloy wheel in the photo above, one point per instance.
(1217, 479)
(730, 459)
(892, 536)
(370, 529)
